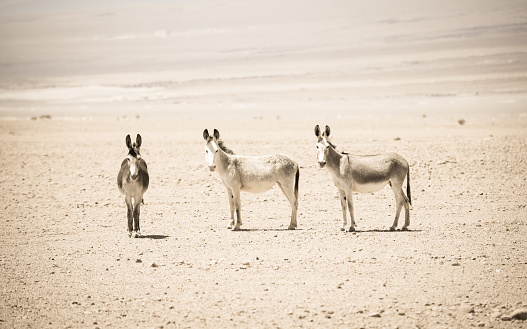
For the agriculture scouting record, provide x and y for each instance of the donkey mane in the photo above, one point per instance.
(223, 147)
(335, 147)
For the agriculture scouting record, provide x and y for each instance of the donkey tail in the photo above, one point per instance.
(296, 181)
(408, 187)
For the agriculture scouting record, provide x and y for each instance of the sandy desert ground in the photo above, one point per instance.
(67, 261)
(442, 83)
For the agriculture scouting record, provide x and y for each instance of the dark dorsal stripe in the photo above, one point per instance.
(132, 153)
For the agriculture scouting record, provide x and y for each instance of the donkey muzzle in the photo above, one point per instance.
(212, 168)
(322, 164)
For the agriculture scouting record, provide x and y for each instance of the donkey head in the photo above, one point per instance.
(211, 148)
(134, 155)
(322, 145)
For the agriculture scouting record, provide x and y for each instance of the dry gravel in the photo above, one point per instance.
(66, 260)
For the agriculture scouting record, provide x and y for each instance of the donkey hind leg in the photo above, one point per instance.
(129, 214)
(289, 192)
(406, 213)
(231, 207)
(137, 212)
(344, 205)
(400, 200)
(237, 208)
(349, 200)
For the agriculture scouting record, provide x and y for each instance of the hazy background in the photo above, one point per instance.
(248, 58)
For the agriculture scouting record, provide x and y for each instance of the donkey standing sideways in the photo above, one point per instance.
(132, 181)
(255, 174)
(364, 174)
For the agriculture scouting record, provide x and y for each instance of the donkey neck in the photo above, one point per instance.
(222, 160)
(333, 159)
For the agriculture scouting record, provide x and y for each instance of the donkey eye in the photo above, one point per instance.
(216, 151)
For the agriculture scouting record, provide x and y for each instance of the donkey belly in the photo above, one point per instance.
(257, 186)
(369, 187)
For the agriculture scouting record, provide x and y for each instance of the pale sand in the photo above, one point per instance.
(67, 260)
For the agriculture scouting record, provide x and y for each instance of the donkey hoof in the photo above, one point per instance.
(392, 228)
(291, 227)
(405, 228)
(129, 234)
(342, 228)
(236, 228)
(352, 229)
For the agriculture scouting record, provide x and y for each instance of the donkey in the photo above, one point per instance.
(364, 174)
(132, 181)
(255, 174)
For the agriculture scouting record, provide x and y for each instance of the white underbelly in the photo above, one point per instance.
(258, 187)
(369, 187)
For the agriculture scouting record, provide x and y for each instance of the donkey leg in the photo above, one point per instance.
(406, 213)
(129, 214)
(238, 208)
(344, 205)
(137, 211)
(399, 201)
(231, 206)
(289, 192)
(349, 200)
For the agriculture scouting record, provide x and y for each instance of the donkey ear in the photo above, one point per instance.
(328, 130)
(317, 131)
(138, 140)
(128, 141)
(216, 134)
(206, 135)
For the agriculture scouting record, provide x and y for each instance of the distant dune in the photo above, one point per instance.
(196, 58)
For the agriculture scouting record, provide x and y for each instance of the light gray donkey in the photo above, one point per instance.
(132, 181)
(255, 174)
(364, 174)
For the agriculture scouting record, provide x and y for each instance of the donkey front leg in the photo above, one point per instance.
(231, 207)
(237, 208)
(349, 200)
(129, 214)
(137, 211)
(344, 205)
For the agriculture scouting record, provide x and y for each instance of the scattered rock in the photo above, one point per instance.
(481, 324)
(466, 309)
(461, 121)
(154, 265)
(374, 315)
(519, 314)
(495, 315)
(138, 261)
(506, 318)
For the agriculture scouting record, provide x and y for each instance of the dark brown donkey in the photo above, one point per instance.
(132, 181)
